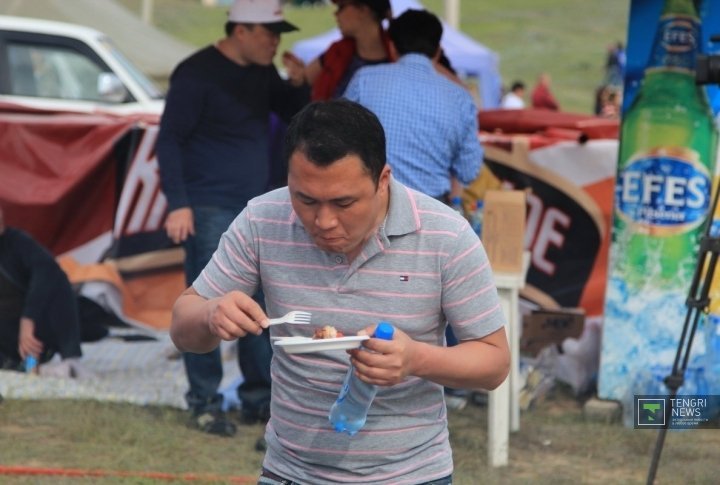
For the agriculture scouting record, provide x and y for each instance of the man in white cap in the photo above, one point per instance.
(213, 151)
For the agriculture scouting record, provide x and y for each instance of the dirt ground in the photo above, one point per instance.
(556, 443)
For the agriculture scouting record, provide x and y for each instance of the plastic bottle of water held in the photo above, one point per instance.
(476, 218)
(349, 412)
(457, 205)
(31, 364)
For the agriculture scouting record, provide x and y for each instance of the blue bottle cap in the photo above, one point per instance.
(456, 200)
(384, 331)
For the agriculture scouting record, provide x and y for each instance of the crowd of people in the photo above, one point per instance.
(355, 228)
(608, 96)
(326, 191)
(541, 97)
(386, 136)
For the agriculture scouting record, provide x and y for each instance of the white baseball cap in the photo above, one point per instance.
(266, 12)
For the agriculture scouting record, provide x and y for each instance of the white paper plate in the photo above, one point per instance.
(304, 345)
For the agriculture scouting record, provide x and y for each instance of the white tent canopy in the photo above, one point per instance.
(467, 56)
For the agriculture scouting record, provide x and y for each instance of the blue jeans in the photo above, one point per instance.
(204, 371)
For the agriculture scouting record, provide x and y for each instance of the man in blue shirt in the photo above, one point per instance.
(214, 157)
(430, 121)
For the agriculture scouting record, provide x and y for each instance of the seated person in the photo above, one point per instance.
(38, 308)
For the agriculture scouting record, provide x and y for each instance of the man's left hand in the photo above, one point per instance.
(384, 362)
(27, 343)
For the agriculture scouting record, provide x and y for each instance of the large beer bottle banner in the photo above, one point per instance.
(666, 165)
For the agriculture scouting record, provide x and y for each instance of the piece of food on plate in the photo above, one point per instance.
(327, 331)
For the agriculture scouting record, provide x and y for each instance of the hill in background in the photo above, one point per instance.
(566, 38)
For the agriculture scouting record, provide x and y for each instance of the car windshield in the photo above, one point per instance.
(145, 83)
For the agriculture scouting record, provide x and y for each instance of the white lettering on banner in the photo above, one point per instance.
(547, 235)
(142, 204)
(652, 184)
(630, 187)
(698, 189)
(688, 402)
(674, 191)
(542, 230)
(534, 217)
(686, 412)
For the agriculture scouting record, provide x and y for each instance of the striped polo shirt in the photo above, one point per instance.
(423, 267)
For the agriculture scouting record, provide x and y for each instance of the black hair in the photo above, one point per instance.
(381, 9)
(445, 62)
(417, 31)
(326, 131)
(517, 85)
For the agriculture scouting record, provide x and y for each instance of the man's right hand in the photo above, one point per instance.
(28, 344)
(295, 68)
(235, 315)
(179, 224)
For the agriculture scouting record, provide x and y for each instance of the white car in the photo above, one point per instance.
(66, 67)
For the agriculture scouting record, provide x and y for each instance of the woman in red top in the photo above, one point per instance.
(364, 42)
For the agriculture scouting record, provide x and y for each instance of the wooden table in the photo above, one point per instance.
(503, 404)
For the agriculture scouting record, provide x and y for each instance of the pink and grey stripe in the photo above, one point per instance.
(425, 267)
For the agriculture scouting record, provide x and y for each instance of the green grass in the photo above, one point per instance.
(555, 444)
(566, 38)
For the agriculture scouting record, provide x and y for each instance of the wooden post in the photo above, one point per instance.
(503, 402)
(147, 11)
(452, 13)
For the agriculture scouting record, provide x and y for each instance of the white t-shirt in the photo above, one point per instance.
(512, 101)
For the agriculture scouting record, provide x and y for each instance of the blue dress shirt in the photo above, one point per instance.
(430, 122)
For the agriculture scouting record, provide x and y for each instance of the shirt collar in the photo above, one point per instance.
(402, 217)
(414, 59)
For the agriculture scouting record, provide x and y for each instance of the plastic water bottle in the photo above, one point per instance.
(457, 205)
(476, 218)
(31, 364)
(349, 412)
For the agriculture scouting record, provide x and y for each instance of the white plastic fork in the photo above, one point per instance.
(302, 318)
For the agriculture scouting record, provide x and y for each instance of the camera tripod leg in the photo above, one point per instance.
(696, 303)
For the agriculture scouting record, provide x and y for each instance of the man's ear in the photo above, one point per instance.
(436, 56)
(239, 31)
(394, 55)
(384, 179)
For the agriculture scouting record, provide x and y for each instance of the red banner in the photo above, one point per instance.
(58, 175)
(88, 185)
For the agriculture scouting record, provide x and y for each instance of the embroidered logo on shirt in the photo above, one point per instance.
(404, 278)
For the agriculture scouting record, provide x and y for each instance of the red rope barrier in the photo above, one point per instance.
(79, 472)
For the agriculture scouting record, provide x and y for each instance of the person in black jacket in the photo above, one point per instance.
(38, 309)
(214, 157)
